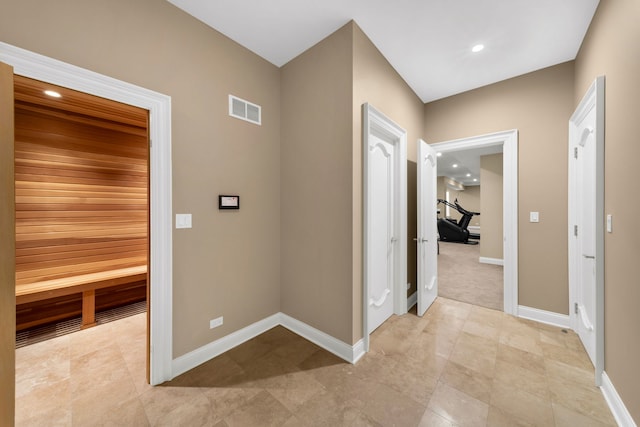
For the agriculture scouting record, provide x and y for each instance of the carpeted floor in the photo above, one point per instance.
(461, 276)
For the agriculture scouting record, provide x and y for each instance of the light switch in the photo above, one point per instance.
(534, 216)
(183, 220)
(609, 223)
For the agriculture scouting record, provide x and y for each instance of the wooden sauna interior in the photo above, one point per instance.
(82, 218)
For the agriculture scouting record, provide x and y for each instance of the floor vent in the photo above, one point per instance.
(47, 332)
(245, 110)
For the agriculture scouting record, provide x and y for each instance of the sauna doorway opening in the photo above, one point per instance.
(82, 205)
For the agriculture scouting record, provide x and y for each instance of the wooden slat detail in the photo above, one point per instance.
(81, 179)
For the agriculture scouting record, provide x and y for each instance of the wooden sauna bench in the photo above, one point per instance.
(85, 284)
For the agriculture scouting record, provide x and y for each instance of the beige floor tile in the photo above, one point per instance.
(475, 353)
(262, 410)
(571, 357)
(562, 371)
(411, 378)
(521, 405)
(481, 329)
(431, 419)
(440, 344)
(294, 389)
(499, 418)
(474, 383)
(586, 400)
(522, 341)
(458, 407)
(47, 404)
(170, 406)
(567, 418)
(529, 381)
(341, 413)
(390, 407)
(224, 401)
(127, 413)
(524, 359)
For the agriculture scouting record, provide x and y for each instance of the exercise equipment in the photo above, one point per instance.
(454, 231)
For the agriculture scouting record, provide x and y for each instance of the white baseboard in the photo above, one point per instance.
(412, 300)
(494, 261)
(207, 352)
(474, 229)
(350, 353)
(619, 410)
(543, 316)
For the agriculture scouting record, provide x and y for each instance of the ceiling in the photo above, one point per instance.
(468, 163)
(427, 41)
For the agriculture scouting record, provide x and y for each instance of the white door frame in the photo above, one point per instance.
(594, 98)
(377, 124)
(509, 141)
(39, 67)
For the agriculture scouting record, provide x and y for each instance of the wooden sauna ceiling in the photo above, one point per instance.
(29, 94)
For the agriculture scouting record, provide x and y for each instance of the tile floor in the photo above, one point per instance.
(460, 365)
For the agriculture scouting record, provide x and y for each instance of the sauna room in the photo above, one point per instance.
(82, 209)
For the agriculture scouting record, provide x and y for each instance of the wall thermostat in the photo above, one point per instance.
(228, 202)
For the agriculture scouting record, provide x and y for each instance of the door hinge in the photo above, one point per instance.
(575, 230)
(150, 143)
(575, 307)
(575, 152)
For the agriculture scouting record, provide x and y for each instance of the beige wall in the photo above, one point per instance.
(316, 165)
(322, 175)
(229, 263)
(376, 82)
(469, 198)
(491, 242)
(7, 251)
(539, 105)
(612, 48)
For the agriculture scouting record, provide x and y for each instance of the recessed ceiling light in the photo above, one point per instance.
(475, 179)
(455, 165)
(468, 175)
(477, 48)
(439, 154)
(52, 93)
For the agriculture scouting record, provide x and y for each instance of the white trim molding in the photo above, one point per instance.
(509, 141)
(377, 124)
(493, 261)
(543, 316)
(349, 353)
(39, 67)
(618, 409)
(207, 352)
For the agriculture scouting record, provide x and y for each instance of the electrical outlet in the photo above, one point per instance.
(214, 323)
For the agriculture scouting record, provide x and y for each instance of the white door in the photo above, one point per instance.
(586, 215)
(585, 304)
(382, 239)
(427, 239)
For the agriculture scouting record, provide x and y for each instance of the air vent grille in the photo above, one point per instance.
(245, 110)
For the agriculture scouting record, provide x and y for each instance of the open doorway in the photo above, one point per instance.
(82, 183)
(45, 69)
(467, 151)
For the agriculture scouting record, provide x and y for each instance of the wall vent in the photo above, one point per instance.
(245, 110)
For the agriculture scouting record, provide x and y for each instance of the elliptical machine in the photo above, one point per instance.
(457, 232)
